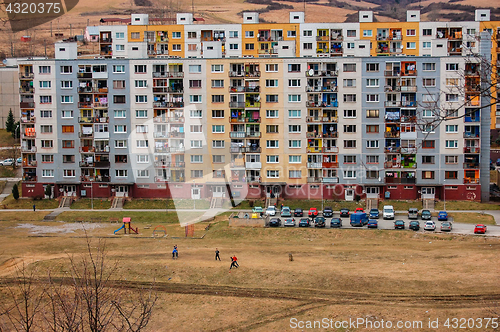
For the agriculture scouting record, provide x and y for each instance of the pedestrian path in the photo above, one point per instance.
(8, 187)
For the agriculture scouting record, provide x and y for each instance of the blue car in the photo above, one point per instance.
(372, 223)
(442, 216)
(374, 214)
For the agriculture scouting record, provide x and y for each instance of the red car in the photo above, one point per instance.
(313, 212)
(480, 229)
(359, 209)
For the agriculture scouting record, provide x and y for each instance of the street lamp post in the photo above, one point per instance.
(91, 194)
(444, 194)
(194, 199)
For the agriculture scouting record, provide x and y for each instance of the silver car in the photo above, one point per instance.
(446, 226)
(430, 226)
(289, 222)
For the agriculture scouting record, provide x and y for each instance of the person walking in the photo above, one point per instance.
(217, 254)
(235, 260)
(233, 263)
(175, 253)
(34, 207)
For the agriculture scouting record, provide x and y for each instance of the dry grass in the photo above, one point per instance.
(467, 205)
(473, 218)
(335, 273)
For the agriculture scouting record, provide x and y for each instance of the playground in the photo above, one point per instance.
(338, 274)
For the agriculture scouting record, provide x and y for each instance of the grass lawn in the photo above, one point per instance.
(137, 217)
(85, 203)
(162, 204)
(467, 205)
(400, 205)
(25, 216)
(7, 172)
(2, 185)
(307, 204)
(6, 138)
(10, 203)
(472, 218)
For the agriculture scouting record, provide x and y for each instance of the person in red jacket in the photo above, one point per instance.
(234, 262)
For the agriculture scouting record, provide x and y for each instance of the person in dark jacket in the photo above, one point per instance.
(217, 254)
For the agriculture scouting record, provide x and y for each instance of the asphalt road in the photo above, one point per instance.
(389, 224)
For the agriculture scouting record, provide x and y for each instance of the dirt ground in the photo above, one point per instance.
(335, 274)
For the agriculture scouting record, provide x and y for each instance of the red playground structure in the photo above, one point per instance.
(127, 227)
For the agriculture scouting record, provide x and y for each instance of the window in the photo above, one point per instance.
(271, 114)
(349, 98)
(271, 67)
(372, 67)
(452, 175)
(372, 82)
(427, 32)
(249, 46)
(349, 67)
(217, 68)
(121, 143)
(372, 144)
(452, 81)
(195, 99)
(66, 85)
(67, 114)
(193, 69)
(67, 129)
(428, 128)
(196, 144)
(367, 33)
(273, 174)
(195, 83)
(69, 173)
(451, 97)
(411, 32)
(234, 46)
(141, 98)
(294, 159)
(294, 68)
(291, 33)
(293, 114)
(372, 159)
(118, 68)
(45, 99)
(191, 34)
(294, 128)
(142, 173)
(119, 84)
(249, 34)
(349, 128)
(451, 144)
(294, 143)
(120, 35)
(141, 83)
(372, 128)
(451, 128)
(349, 174)
(217, 114)
(135, 35)
(294, 98)
(142, 158)
(428, 144)
(195, 128)
(68, 144)
(351, 33)
(176, 34)
(426, 45)
(429, 98)
(142, 143)
(427, 113)
(121, 173)
(451, 66)
(218, 144)
(294, 83)
(47, 158)
(307, 33)
(176, 47)
(349, 114)
(67, 99)
(451, 159)
(48, 128)
(429, 82)
(120, 128)
(196, 173)
(271, 98)
(217, 83)
(217, 98)
(44, 70)
(47, 173)
(232, 34)
(372, 98)
(141, 128)
(294, 174)
(46, 114)
(141, 114)
(372, 113)
(271, 83)
(349, 83)
(218, 159)
(272, 144)
(197, 159)
(45, 84)
(307, 46)
(273, 129)
(195, 114)
(428, 175)
(218, 129)
(411, 45)
(428, 159)
(428, 66)
(349, 144)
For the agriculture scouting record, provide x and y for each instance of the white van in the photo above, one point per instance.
(388, 212)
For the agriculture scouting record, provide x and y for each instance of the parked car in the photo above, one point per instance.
(498, 162)
(19, 161)
(426, 215)
(388, 212)
(327, 212)
(344, 213)
(414, 225)
(430, 226)
(298, 212)
(359, 210)
(442, 216)
(7, 162)
(480, 229)
(289, 222)
(275, 222)
(374, 214)
(336, 223)
(399, 224)
(372, 223)
(257, 209)
(412, 213)
(358, 219)
(446, 226)
(313, 212)
(319, 222)
(286, 212)
(271, 210)
(304, 222)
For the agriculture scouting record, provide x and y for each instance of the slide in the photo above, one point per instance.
(119, 229)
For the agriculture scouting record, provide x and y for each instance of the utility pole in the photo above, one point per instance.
(70, 30)
(45, 46)
(50, 28)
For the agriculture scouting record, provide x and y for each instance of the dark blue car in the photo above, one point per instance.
(372, 223)
(374, 214)
(442, 216)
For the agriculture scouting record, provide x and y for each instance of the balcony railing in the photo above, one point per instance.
(392, 104)
(163, 104)
(407, 103)
(392, 164)
(245, 120)
(237, 134)
(30, 120)
(314, 149)
(85, 164)
(176, 134)
(252, 105)
(102, 164)
(85, 105)
(411, 150)
(314, 135)
(471, 165)
(102, 178)
(101, 150)
(250, 149)
(390, 134)
(333, 179)
(315, 165)
(312, 179)
(392, 73)
(168, 74)
(25, 90)
(236, 73)
(25, 104)
(25, 76)
(85, 120)
(472, 149)
(471, 181)
(26, 149)
(237, 164)
(314, 119)
(250, 179)
(408, 89)
(331, 149)
(331, 134)
(471, 135)
(84, 75)
(322, 73)
(236, 104)
(89, 149)
(29, 178)
(30, 134)
(409, 73)
(32, 163)
(173, 164)
(392, 149)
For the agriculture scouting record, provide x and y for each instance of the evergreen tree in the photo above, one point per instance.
(48, 191)
(15, 192)
(10, 123)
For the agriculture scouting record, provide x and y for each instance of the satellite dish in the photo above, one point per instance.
(4, 61)
(311, 72)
